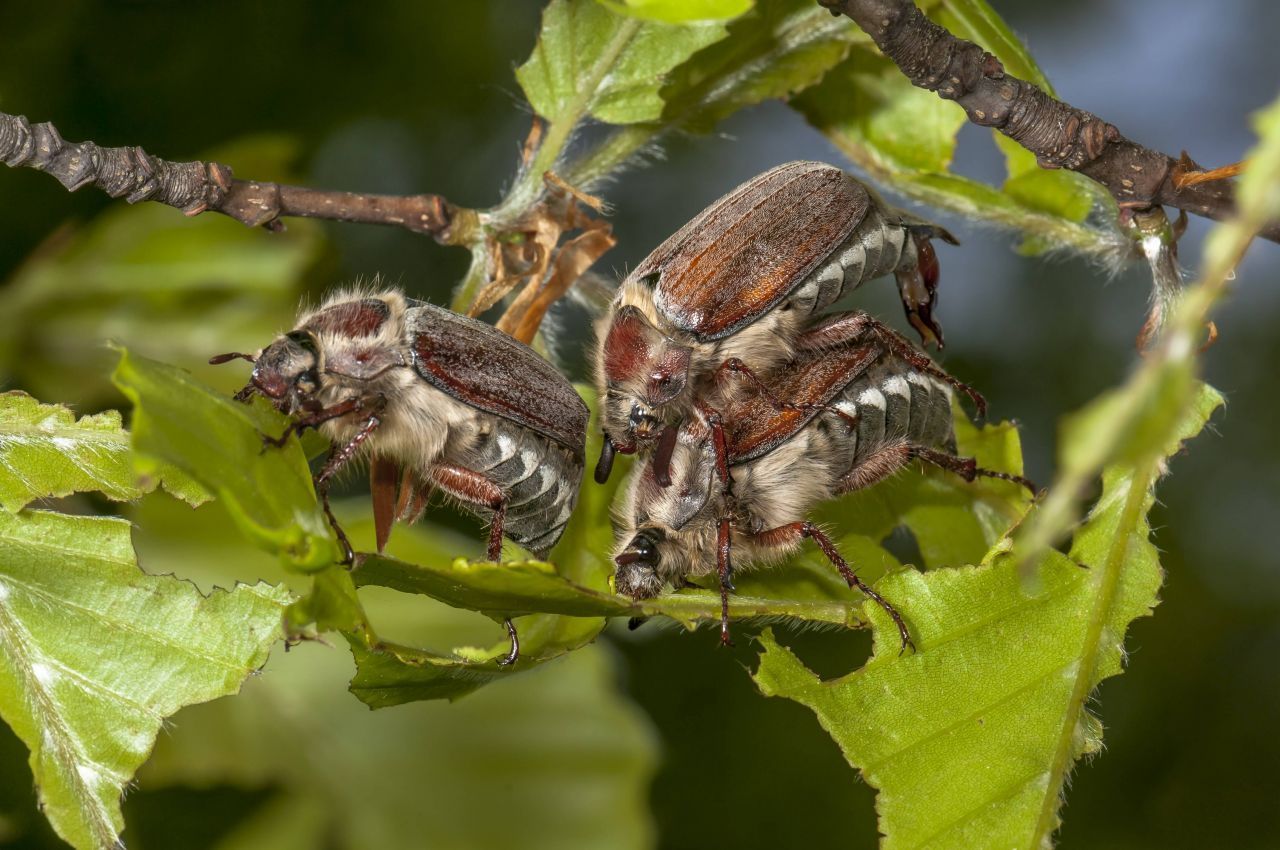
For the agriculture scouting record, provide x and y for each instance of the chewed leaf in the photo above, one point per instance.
(218, 442)
(45, 452)
(592, 61)
(988, 716)
(95, 654)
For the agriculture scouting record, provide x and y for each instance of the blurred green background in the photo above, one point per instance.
(653, 736)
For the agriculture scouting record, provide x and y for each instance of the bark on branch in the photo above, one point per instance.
(1060, 135)
(196, 187)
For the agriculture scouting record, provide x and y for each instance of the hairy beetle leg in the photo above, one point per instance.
(785, 535)
(967, 468)
(467, 485)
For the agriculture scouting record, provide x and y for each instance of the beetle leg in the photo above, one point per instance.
(791, 533)
(514, 652)
(348, 553)
(316, 418)
(918, 285)
(884, 462)
(340, 456)
(724, 567)
(853, 327)
(719, 446)
(474, 488)
(967, 468)
(662, 455)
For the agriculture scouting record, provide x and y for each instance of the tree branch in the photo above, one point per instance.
(196, 187)
(1060, 135)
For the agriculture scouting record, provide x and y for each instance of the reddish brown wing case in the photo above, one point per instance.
(481, 366)
(756, 426)
(743, 254)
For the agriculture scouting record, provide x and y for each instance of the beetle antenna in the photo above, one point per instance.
(219, 359)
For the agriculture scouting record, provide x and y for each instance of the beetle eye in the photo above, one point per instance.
(302, 339)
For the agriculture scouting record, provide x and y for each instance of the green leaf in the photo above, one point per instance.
(501, 590)
(161, 283)
(95, 654)
(1058, 192)
(218, 442)
(987, 717)
(773, 51)
(590, 61)
(547, 761)
(679, 11)
(45, 452)
(778, 49)
(905, 136)
(563, 754)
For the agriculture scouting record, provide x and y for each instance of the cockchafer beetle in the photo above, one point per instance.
(853, 415)
(742, 282)
(437, 401)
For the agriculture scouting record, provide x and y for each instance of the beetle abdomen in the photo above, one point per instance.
(539, 477)
(890, 405)
(874, 248)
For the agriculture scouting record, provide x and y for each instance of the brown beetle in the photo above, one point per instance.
(456, 404)
(742, 281)
(857, 414)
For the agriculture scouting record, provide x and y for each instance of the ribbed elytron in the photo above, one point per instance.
(437, 401)
(741, 283)
(854, 415)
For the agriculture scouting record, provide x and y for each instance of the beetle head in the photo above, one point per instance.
(637, 573)
(646, 376)
(288, 371)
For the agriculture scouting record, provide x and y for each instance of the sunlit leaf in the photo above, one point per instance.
(46, 452)
(218, 442)
(95, 654)
(562, 753)
(988, 716)
(679, 11)
(590, 61)
(778, 49)
(773, 51)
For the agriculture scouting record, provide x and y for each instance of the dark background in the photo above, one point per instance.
(413, 97)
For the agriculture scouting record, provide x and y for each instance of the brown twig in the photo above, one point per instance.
(1060, 135)
(196, 187)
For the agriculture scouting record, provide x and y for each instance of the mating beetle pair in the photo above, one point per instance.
(749, 405)
(442, 402)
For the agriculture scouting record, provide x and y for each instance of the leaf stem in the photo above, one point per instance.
(1107, 580)
(561, 127)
